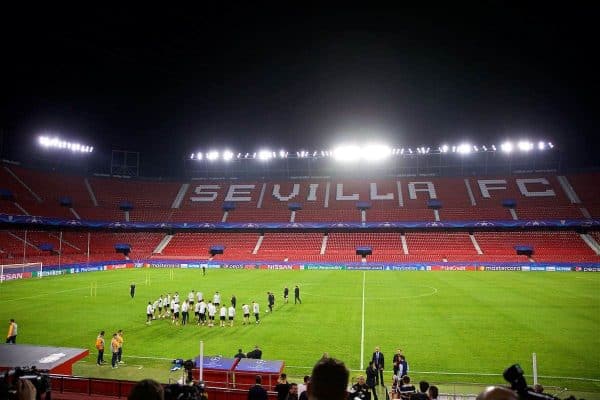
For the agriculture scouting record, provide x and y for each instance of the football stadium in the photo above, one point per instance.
(465, 275)
(346, 205)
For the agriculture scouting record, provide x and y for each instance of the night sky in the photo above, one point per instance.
(166, 82)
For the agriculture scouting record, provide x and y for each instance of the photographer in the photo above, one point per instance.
(360, 390)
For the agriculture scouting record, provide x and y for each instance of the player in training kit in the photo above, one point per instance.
(176, 313)
(256, 311)
(246, 311)
(223, 315)
(185, 312)
(231, 313)
(217, 299)
(212, 310)
(149, 312)
(202, 311)
(192, 297)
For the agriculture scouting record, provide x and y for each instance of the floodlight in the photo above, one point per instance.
(410, 150)
(507, 147)
(550, 145)
(212, 155)
(227, 155)
(239, 155)
(494, 147)
(484, 148)
(282, 153)
(541, 145)
(402, 150)
(525, 145)
(265, 155)
(476, 148)
(464, 148)
(192, 156)
(347, 153)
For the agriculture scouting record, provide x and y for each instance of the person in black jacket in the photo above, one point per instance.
(256, 353)
(257, 392)
(240, 354)
(371, 373)
(379, 361)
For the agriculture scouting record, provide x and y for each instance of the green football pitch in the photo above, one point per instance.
(452, 326)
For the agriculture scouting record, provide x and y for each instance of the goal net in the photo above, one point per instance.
(9, 272)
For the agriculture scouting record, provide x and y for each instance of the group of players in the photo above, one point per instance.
(205, 312)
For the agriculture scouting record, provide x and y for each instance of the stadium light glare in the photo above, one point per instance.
(376, 152)
(484, 148)
(402, 151)
(227, 155)
(57, 143)
(212, 155)
(265, 155)
(494, 147)
(525, 145)
(541, 145)
(347, 153)
(507, 147)
(464, 148)
(550, 145)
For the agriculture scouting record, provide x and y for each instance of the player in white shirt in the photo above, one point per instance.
(149, 312)
(176, 297)
(212, 310)
(154, 309)
(172, 305)
(161, 302)
(202, 311)
(185, 314)
(246, 311)
(176, 313)
(217, 299)
(197, 312)
(192, 297)
(256, 311)
(199, 295)
(167, 304)
(223, 315)
(231, 313)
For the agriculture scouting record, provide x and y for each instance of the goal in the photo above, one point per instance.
(9, 272)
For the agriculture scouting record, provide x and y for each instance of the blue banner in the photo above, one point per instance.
(263, 366)
(216, 363)
(39, 222)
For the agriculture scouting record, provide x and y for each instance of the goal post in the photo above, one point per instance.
(9, 272)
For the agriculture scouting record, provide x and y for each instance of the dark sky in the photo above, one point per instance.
(170, 81)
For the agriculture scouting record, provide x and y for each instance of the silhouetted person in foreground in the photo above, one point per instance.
(329, 380)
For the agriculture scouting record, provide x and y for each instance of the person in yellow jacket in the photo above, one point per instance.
(11, 336)
(100, 347)
(120, 353)
(114, 348)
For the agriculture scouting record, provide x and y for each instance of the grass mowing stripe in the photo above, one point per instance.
(362, 318)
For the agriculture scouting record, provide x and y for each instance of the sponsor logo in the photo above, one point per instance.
(525, 268)
(551, 269)
(152, 265)
(538, 268)
(591, 269)
(279, 266)
(502, 268)
(10, 277)
(51, 358)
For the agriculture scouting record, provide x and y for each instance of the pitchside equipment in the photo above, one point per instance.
(10, 272)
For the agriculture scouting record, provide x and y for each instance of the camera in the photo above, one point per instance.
(39, 378)
(516, 377)
(185, 392)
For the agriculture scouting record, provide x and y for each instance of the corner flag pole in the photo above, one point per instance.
(201, 360)
(535, 374)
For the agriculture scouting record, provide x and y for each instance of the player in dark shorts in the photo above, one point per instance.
(286, 294)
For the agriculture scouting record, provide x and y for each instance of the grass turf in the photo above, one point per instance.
(447, 323)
